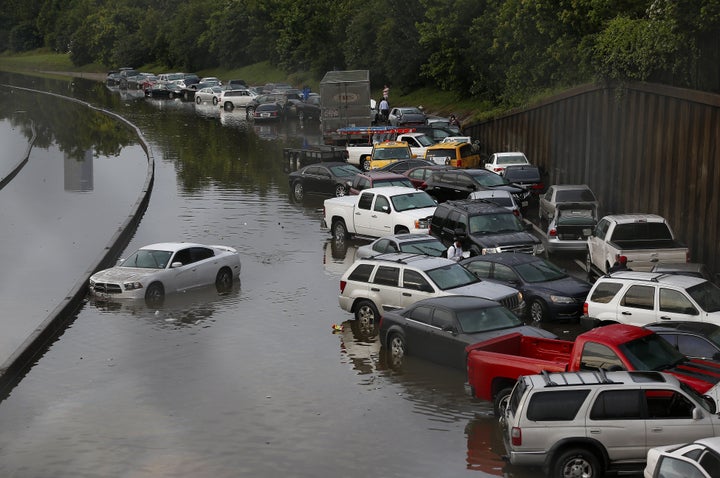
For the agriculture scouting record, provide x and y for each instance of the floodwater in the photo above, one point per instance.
(250, 383)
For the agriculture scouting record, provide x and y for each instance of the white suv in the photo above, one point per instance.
(582, 423)
(231, 99)
(395, 281)
(639, 298)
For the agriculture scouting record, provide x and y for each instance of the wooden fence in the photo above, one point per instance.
(642, 148)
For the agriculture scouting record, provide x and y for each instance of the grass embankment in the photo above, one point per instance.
(44, 63)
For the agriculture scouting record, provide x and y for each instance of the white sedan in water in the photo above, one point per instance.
(158, 269)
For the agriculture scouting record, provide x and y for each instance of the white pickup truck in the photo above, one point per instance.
(379, 212)
(359, 154)
(645, 239)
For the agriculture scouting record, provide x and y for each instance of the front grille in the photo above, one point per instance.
(523, 248)
(510, 302)
(107, 288)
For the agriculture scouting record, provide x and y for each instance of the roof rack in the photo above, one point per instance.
(548, 381)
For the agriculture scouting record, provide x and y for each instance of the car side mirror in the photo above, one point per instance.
(175, 265)
(711, 404)
(385, 209)
(697, 414)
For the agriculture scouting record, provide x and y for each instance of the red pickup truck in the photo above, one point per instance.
(493, 366)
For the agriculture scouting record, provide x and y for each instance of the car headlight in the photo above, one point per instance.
(539, 249)
(561, 299)
(490, 250)
(520, 298)
(132, 285)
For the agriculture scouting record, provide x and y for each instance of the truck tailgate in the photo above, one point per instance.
(645, 259)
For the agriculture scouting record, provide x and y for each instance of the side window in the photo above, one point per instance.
(183, 256)
(465, 151)
(382, 204)
(676, 302)
(556, 406)
(504, 273)
(313, 170)
(601, 228)
(415, 281)
(616, 405)
(200, 254)
(481, 269)
(421, 314)
(605, 292)
(549, 193)
(384, 245)
(595, 356)
(671, 466)
(417, 174)
(365, 201)
(464, 181)
(639, 297)
(452, 219)
(695, 347)
(363, 183)
(668, 404)
(361, 273)
(387, 276)
(442, 319)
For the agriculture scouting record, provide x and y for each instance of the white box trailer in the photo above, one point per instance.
(344, 102)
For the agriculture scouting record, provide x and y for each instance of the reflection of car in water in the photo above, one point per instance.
(339, 255)
(483, 436)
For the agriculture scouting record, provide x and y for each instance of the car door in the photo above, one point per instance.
(182, 277)
(674, 305)
(616, 421)
(417, 330)
(670, 418)
(545, 204)
(415, 287)
(596, 244)
(312, 179)
(385, 284)
(381, 223)
(444, 346)
(363, 215)
(637, 305)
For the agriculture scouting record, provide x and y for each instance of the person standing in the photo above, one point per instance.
(620, 265)
(455, 251)
(384, 110)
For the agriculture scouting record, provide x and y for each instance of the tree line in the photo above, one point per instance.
(501, 51)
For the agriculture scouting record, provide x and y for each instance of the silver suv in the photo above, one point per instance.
(581, 424)
(395, 281)
(640, 298)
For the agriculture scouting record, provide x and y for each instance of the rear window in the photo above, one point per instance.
(556, 405)
(361, 273)
(638, 231)
(605, 292)
(575, 195)
(440, 153)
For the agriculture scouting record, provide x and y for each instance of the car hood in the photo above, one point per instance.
(512, 189)
(506, 239)
(520, 329)
(123, 274)
(421, 213)
(567, 286)
(485, 289)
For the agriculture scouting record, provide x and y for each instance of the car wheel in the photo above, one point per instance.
(215, 101)
(228, 106)
(366, 314)
(171, 95)
(155, 294)
(396, 349)
(474, 251)
(501, 401)
(339, 190)
(339, 231)
(365, 163)
(224, 280)
(298, 191)
(538, 310)
(198, 100)
(577, 462)
(402, 230)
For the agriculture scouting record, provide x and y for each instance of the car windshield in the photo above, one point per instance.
(489, 179)
(443, 153)
(707, 295)
(483, 320)
(575, 195)
(424, 140)
(148, 259)
(344, 171)
(495, 223)
(451, 276)
(651, 353)
(393, 182)
(430, 247)
(539, 271)
(514, 159)
(417, 200)
(392, 153)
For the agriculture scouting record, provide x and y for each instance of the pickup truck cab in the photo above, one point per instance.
(360, 154)
(645, 239)
(494, 365)
(379, 212)
(388, 152)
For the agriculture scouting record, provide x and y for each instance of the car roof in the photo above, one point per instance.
(328, 164)
(171, 246)
(510, 153)
(673, 279)
(420, 261)
(473, 206)
(710, 442)
(492, 193)
(635, 217)
(564, 187)
(555, 381)
(409, 237)
(509, 258)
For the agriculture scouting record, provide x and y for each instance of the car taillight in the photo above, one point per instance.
(423, 186)
(497, 170)
(552, 233)
(516, 436)
(585, 308)
(342, 286)
(538, 186)
(459, 163)
(687, 256)
(516, 212)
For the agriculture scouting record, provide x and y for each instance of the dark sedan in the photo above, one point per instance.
(268, 112)
(163, 90)
(418, 175)
(551, 294)
(694, 339)
(459, 183)
(405, 164)
(305, 109)
(439, 328)
(323, 179)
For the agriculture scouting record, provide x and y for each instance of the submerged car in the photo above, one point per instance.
(158, 269)
(323, 179)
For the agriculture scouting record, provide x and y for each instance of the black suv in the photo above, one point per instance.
(459, 183)
(484, 228)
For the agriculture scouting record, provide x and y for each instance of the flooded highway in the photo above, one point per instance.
(254, 382)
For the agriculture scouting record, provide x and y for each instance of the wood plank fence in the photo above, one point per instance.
(642, 148)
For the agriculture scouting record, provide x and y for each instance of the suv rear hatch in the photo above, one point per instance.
(574, 221)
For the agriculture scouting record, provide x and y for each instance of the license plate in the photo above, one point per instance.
(524, 203)
(265, 115)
